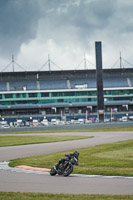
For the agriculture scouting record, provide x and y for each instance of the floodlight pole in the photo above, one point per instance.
(84, 61)
(13, 62)
(120, 61)
(49, 62)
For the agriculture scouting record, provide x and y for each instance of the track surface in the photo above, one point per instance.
(27, 182)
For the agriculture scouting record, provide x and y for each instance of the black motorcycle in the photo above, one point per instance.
(65, 168)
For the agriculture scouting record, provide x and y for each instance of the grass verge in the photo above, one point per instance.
(75, 130)
(25, 140)
(114, 159)
(46, 196)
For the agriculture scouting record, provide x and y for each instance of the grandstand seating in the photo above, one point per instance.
(115, 82)
(69, 83)
(131, 80)
(91, 82)
(20, 85)
(53, 84)
(3, 86)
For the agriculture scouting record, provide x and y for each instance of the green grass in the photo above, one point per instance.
(46, 196)
(75, 130)
(108, 159)
(23, 140)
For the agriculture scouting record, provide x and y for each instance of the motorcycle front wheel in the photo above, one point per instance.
(53, 172)
(68, 170)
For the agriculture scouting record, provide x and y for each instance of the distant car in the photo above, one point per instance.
(124, 119)
(81, 121)
(106, 120)
(76, 122)
(35, 122)
(45, 122)
(130, 117)
(6, 126)
(67, 122)
(61, 123)
(88, 122)
(55, 121)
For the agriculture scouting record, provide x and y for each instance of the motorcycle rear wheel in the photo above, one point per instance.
(68, 170)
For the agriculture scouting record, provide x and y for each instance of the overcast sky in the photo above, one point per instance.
(66, 30)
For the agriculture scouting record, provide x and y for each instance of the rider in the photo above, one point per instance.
(75, 154)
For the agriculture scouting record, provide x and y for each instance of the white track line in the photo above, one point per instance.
(4, 166)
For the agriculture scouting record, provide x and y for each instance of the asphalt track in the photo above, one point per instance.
(35, 182)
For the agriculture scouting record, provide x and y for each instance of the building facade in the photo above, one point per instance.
(72, 91)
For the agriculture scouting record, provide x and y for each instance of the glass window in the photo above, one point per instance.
(68, 94)
(18, 95)
(92, 93)
(8, 96)
(130, 91)
(57, 94)
(47, 101)
(23, 95)
(81, 93)
(54, 94)
(32, 94)
(44, 94)
(60, 100)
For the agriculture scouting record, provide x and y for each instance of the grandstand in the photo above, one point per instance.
(71, 91)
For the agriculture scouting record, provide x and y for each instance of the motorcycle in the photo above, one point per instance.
(65, 168)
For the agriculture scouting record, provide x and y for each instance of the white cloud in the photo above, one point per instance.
(64, 57)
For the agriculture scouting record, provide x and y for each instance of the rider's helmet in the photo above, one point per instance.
(76, 154)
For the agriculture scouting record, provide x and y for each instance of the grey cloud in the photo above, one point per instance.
(71, 21)
(95, 13)
(61, 20)
(18, 23)
(67, 22)
(124, 16)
